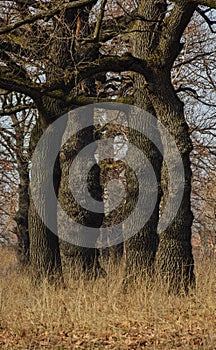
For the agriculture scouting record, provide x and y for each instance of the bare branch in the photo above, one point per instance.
(100, 19)
(45, 15)
(173, 29)
(208, 3)
(12, 83)
(113, 63)
(189, 60)
(17, 69)
(9, 110)
(207, 19)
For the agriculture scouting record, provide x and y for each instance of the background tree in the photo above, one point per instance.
(17, 121)
(8, 200)
(194, 80)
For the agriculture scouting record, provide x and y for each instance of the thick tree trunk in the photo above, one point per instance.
(174, 256)
(81, 253)
(44, 244)
(44, 248)
(141, 249)
(66, 51)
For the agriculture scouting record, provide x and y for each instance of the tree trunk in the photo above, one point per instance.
(23, 245)
(174, 256)
(44, 248)
(141, 249)
(77, 241)
(44, 243)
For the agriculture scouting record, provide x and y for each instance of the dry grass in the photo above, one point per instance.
(98, 315)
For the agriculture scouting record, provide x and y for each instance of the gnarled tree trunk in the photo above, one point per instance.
(44, 244)
(77, 240)
(174, 256)
(141, 249)
(159, 43)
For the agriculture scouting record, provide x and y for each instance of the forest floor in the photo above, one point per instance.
(99, 315)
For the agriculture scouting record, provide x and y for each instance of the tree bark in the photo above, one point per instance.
(65, 53)
(21, 217)
(44, 244)
(174, 256)
(141, 249)
(23, 245)
(86, 256)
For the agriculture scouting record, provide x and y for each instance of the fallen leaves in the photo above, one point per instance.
(136, 336)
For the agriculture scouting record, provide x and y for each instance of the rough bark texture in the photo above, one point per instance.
(23, 245)
(111, 169)
(141, 249)
(77, 254)
(44, 244)
(45, 251)
(159, 44)
(44, 248)
(174, 256)
(21, 217)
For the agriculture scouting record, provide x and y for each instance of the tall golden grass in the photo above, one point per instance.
(100, 315)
